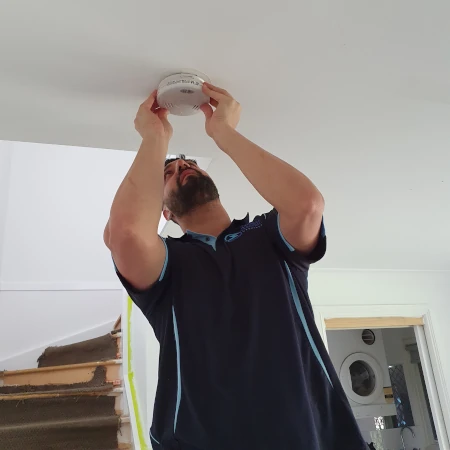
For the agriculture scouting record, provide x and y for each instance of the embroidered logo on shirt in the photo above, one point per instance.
(250, 226)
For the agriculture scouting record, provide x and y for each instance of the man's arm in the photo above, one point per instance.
(292, 194)
(132, 230)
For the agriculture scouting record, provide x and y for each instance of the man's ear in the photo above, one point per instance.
(167, 214)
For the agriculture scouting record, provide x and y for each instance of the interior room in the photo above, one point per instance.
(382, 376)
(353, 95)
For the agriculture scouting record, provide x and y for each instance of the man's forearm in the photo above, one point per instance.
(138, 202)
(283, 186)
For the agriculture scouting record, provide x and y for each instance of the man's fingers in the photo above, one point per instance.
(218, 89)
(207, 110)
(213, 94)
(154, 107)
(213, 102)
(150, 101)
(163, 113)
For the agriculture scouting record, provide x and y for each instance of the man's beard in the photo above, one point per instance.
(198, 190)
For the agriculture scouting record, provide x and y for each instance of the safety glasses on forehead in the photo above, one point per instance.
(180, 156)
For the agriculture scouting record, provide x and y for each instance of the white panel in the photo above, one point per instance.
(31, 320)
(59, 205)
(5, 169)
(436, 401)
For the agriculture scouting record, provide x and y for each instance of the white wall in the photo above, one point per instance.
(366, 425)
(30, 321)
(395, 345)
(5, 168)
(59, 201)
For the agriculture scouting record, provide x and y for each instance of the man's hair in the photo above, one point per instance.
(181, 156)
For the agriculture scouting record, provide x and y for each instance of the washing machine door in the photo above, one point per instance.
(362, 378)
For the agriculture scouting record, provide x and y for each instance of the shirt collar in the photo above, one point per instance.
(236, 223)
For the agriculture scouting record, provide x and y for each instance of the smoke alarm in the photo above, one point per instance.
(181, 93)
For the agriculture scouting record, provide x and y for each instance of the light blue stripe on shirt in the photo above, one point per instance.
(153, 438)
(177, 346)
(299, 309)
(163, 271)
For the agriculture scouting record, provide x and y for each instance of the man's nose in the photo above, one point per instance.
(181, 165)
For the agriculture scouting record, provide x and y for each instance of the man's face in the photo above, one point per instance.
(186, 187)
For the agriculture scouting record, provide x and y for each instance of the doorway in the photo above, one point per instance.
(385, 368)
(382, 376)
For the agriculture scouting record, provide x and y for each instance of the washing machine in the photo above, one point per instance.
(360, 361)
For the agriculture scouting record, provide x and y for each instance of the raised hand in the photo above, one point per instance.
(151, 120)
(226, 113)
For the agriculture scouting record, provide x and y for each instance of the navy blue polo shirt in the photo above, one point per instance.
(242, 365)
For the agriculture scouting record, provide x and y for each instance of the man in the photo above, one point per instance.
(242, 365)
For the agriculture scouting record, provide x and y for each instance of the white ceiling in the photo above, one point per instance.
(354, 93)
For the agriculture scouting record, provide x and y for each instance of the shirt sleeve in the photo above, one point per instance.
(271, 223)
(149, 299)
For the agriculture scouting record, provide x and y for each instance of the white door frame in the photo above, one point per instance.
(429, 372)
(417, 393)
(429, 348)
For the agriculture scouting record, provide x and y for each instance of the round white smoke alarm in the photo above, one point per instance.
(181, 93)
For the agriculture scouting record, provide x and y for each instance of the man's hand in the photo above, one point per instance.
(151, 120)
(226, 114)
